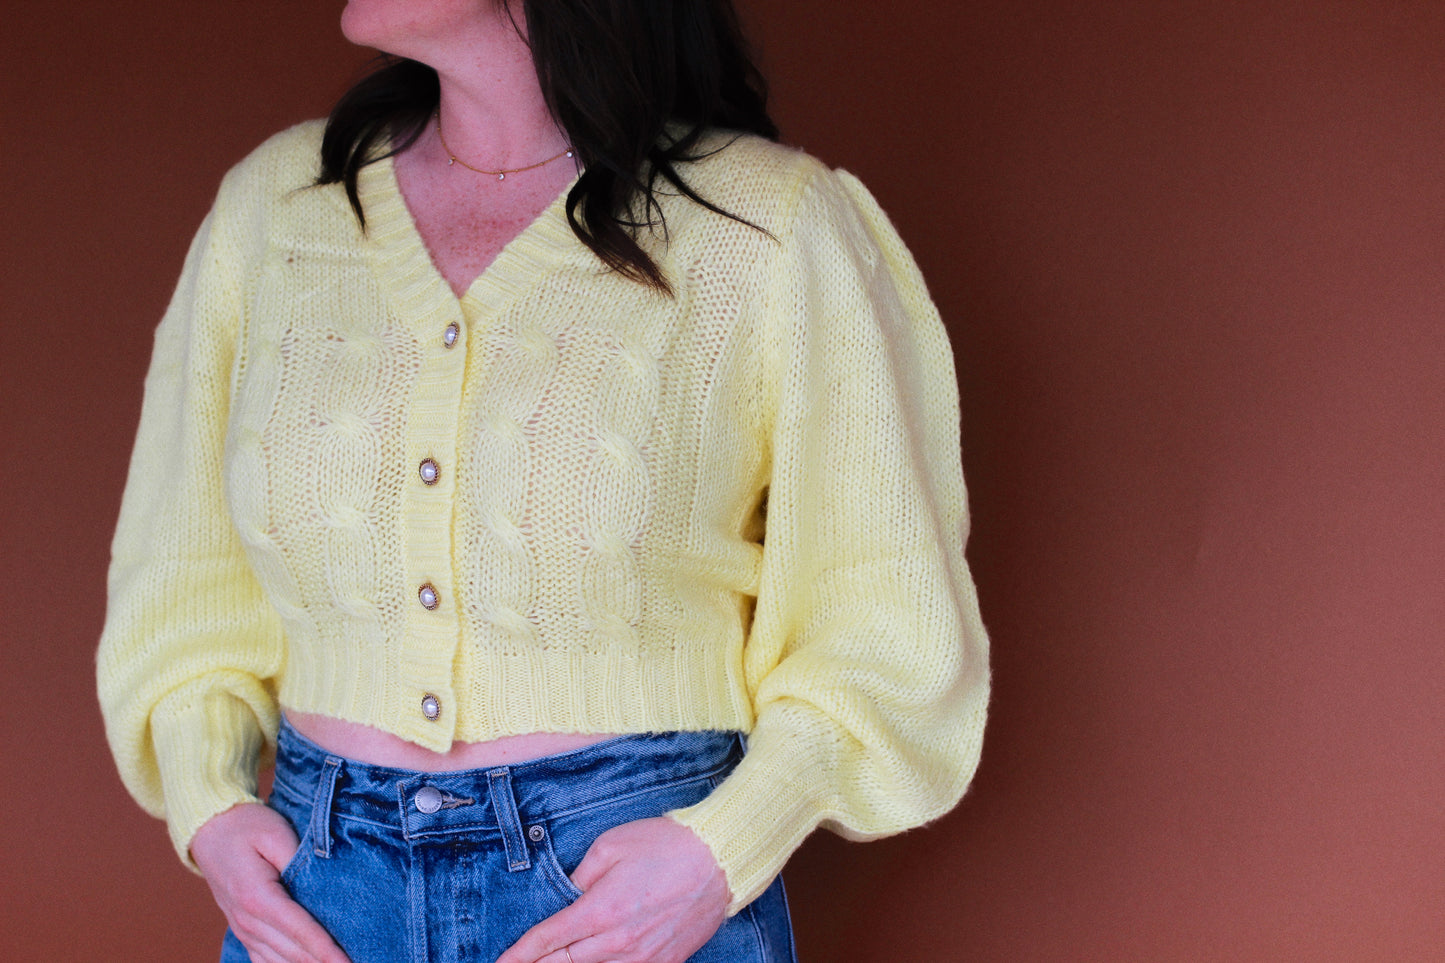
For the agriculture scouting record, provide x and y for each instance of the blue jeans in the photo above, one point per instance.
(415, 867)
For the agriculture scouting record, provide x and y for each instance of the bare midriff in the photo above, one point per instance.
(370, 745)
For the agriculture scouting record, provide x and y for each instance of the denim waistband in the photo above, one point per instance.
(500, 799)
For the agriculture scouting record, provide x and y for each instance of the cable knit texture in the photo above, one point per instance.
(739, 508)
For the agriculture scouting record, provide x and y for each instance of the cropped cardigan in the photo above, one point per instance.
(564, 502)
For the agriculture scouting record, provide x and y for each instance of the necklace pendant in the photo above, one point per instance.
(451, 161)
(502, 176)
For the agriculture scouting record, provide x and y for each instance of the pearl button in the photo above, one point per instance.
(450, 335)
(431, 707)
(428, 799)
(428, 597)
(430, 471)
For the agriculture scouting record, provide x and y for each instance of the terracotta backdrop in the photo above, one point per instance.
(1191, 257)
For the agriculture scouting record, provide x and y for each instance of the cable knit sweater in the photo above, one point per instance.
(564, 502)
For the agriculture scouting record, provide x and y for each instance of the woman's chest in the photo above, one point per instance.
(465, 221)
(582, 390)
(465, 244)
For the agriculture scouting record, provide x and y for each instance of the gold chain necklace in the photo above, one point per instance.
(500, 175)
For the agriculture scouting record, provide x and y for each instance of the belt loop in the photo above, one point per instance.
(505, 806)
(321, 806)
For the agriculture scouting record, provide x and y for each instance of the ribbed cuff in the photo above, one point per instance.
(208, 747)
(767, 806)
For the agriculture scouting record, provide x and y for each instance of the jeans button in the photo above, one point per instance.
(428, 799)
(536, 834)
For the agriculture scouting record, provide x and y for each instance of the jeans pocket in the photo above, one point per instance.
(566, 837)
(297, 813)
(553, 872)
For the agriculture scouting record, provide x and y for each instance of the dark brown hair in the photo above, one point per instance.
(614, 74)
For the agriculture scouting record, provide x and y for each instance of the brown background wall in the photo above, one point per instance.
(1191, 257)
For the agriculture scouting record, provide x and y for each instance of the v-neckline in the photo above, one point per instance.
(416, 286)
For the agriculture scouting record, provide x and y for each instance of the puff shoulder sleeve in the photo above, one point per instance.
(866, 657)
(189, 643)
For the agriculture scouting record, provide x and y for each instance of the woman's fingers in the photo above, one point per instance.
(241, 853)
(651, 893)
(579, 952)
(290, 931)
(551, 937)
(268, 918)
(275, 846)
(267, 921)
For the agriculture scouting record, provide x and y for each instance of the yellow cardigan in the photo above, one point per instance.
(543, 507)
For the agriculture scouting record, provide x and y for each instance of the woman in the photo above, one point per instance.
(562, 431)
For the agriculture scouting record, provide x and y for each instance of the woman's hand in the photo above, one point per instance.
(242, 852)
(651, 893)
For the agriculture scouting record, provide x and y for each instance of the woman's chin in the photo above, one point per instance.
(361, 25)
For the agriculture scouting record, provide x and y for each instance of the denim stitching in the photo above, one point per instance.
(645, 791)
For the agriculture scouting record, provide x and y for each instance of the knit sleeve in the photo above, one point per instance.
(189, 643)
(866, 654)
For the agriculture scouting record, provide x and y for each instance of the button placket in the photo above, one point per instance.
(432, 426)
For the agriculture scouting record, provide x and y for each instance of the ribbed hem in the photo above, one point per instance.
(553, 689)
(208, 747)
(764, 810)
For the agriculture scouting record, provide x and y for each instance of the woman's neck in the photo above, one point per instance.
(492, 110)
(492, 135)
